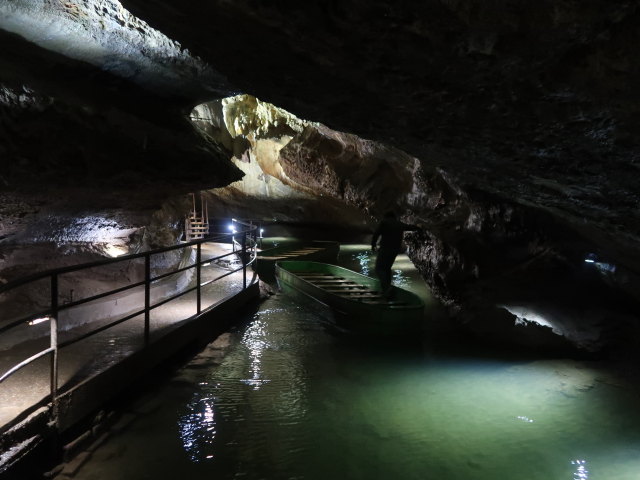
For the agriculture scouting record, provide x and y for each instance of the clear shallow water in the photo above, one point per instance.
(284, 398)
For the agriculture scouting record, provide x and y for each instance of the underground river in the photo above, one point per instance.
(283, 396)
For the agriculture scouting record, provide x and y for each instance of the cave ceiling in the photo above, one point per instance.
(531, 101)
(523, 117)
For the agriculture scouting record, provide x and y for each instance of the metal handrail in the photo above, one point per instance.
(100, 329)
(93, 298)
(99, 263)
(54, 308)
(253, 245)
(25, 362)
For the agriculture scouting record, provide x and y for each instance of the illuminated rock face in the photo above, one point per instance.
(287, 159)
(94, 149)
(517, 119)
(255, 132)
(95, 156)
(104, 34)
(478, 251)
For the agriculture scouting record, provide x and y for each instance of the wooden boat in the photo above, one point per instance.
(319, 251)
(356, 299)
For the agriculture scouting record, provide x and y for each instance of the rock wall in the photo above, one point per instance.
(511, 272)
(529, 102)
(498, 263)
(91, 158)
(104, 34)
(518, 120)
(260, 135)
(93, 138)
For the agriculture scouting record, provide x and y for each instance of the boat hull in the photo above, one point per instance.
(355, 299)
(318, 251)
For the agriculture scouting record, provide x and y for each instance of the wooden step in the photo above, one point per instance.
(322, 276)
(349, 288)
(356, 294)
(346, 288)
(329, 280)
(335, 280)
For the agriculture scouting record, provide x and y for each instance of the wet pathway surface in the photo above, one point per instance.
(84, 359)
(285, 396)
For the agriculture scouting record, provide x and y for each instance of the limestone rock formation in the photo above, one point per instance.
(505, 128)
(331, 175)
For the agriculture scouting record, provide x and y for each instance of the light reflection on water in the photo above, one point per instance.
(198, 429)
(255, 340)
(325, 407)
(399, 279)
(366, 262)
(581, 472)
(524, 419)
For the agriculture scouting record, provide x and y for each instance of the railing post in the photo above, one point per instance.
(147, 297)
(254, 235)
(198, 278)
(53, 335)
(244, 260)
(233, 237)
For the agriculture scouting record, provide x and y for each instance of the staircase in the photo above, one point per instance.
(196, 224)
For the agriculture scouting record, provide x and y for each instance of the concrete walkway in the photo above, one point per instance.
(96, 354)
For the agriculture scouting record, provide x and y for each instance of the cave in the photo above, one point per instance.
(503, 129)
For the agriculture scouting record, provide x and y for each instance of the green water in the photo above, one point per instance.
(283, 397)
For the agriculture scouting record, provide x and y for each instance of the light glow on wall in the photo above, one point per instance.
(524, 316)
(603, 267)
(116, 250)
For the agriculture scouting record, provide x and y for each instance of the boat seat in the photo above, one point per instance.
(346, 288)
(327, 277)
(391, 303)
(329, 280)
(358, 294)
(340, 288)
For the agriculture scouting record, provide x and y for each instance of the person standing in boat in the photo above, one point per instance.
(390, 231)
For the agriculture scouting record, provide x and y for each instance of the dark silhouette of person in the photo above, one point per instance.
(390, 231)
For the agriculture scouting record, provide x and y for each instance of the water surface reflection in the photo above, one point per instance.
(285, 398)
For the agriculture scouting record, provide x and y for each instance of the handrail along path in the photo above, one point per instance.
(244, 249)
